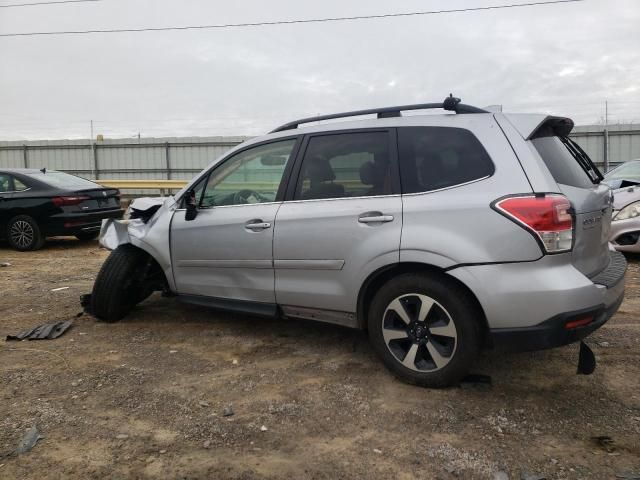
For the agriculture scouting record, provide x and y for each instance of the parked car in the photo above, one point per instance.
(439, 234)
(35, 204)
(625, 227)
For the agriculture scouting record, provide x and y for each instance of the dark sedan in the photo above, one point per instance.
(35, 204)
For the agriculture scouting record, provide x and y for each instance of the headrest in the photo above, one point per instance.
(368, 173)
(372, 173)
(319, 170)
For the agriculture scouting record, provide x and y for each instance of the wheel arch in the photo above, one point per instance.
(382, 275)
(156, 265)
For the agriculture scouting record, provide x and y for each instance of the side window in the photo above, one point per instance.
(437, 157)
(5, 183)
(18, 185)
(251, 176)
(345, 165)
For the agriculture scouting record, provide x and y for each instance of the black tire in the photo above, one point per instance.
(23, 234)
(119, 285)
(452, 303)
(87, 236)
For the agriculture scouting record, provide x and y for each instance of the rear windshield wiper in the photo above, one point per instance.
(583, 159)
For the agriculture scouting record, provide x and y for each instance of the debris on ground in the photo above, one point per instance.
(628, 476)
(203, 404)
(5, 264)
(500, 475)
(228, 411)
(605, 442)
(47, 331)
(85, 303)
(263, 428)
(29, 440)
(122, 436)
(59, 289)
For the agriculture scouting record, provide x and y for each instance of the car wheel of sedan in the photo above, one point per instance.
(86, 236)
(24, 234)
(425, 328)
(120, 284)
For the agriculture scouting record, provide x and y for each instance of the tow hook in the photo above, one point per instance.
(586, 360)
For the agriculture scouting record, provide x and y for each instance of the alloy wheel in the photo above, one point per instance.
(22, 234)
(419, 332)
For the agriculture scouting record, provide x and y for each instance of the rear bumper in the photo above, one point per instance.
(74, 223)
(553, 332)
(528, 304)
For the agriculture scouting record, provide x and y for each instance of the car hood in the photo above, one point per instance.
(624, 196)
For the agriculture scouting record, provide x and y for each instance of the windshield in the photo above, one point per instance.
(64, 180)
(626, 171)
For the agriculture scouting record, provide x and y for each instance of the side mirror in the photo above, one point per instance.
(191, 206)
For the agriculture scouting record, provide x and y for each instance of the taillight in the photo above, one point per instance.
(546, 216)
(70, 200)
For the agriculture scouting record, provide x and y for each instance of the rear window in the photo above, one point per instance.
(64, 180)
(567, 162)
(432, 158)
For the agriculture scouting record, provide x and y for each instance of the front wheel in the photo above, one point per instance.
(120, 284)
(425, 328)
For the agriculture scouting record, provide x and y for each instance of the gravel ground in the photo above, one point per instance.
(147, 397)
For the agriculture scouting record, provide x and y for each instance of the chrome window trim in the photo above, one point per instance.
(447, 188)
(17, 191)
(229, 206)
(342, 198)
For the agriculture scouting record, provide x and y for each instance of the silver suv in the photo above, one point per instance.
(439, 234)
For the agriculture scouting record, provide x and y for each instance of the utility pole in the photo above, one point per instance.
(93, 155)
(606, 136)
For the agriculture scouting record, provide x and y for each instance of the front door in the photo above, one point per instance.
(342, 222)
(226, 252)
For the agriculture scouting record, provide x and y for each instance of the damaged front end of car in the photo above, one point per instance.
(146, 229)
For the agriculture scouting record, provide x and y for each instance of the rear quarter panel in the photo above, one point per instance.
(457, 225)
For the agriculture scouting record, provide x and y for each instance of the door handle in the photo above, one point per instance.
(257, 225)
(375, 218)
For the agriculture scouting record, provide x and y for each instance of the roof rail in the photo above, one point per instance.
(450, 103)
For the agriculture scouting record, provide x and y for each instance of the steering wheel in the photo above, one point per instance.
(242, 197)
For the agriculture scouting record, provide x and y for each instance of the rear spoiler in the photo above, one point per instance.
(531, 125)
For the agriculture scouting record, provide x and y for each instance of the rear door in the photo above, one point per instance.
(579, 180)
(342, 219)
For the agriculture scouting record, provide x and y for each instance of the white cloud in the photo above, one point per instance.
(566, 59)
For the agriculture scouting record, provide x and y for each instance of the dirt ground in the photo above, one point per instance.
(144, 398)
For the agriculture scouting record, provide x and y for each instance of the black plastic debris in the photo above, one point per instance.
(28, 440)
(48, 331)
(85, 303)
(586, 360)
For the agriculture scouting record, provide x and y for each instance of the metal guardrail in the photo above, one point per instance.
(143, 184)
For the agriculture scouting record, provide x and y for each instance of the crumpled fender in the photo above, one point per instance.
(151, 236)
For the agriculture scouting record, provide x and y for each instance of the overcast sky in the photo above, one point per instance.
(566, 59)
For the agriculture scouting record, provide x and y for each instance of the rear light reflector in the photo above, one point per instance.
(580, 322)
(547, 217)
(70, 200)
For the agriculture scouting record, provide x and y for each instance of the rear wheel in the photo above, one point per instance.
(121, 283)
(425, 328)
(86, 236)
(23, 233)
